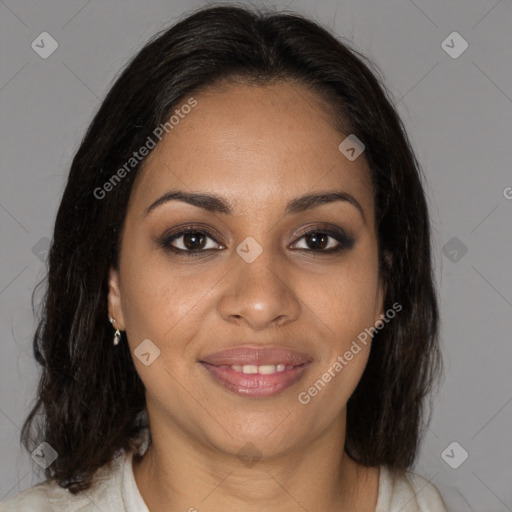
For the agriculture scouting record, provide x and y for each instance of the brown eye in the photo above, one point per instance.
(317, 240)
(194, 241)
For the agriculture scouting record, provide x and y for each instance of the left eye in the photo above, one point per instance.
(320, 239)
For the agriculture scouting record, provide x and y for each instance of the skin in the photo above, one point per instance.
(257, 147)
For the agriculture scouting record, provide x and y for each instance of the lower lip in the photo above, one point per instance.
(255, 384)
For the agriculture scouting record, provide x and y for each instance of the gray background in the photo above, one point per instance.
(458, 113)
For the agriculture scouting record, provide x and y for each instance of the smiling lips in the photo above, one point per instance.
(256, 372)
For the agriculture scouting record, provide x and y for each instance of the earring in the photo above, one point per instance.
(117, 335)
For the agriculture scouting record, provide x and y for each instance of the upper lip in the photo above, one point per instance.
(243, 355)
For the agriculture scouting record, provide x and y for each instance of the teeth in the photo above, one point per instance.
(264, 369)
(267, 369)
(249, 368)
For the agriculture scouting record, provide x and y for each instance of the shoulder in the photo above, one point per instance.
(44, 497)
(407, 491)
(49, 496)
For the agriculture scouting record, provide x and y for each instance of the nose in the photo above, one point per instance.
(260, 294)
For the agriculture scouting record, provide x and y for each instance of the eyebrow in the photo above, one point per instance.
(216, 204)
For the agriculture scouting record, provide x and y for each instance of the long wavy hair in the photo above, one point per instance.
(90, 399)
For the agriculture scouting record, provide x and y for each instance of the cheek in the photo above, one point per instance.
(346, 350)
(165, 301)
(346, 302)
(147, 292)
(154, 302)
(347, 299)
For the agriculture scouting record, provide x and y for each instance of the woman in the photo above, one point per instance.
(240, 312)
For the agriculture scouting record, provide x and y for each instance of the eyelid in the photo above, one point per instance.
(192, 228)
(324, 228)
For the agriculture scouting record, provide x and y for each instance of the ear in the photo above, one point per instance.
(115, 309)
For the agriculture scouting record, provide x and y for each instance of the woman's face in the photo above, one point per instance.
(257, 279)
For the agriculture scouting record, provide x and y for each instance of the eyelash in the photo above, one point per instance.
(345, 241)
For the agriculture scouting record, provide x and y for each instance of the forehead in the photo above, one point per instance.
(254, 145)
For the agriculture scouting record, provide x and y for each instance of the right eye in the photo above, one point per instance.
(193, 243)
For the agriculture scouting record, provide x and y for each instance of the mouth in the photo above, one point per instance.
(254, 372)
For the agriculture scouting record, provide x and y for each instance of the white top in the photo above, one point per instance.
(114, 490)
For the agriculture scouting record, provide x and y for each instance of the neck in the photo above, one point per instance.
(179, 473)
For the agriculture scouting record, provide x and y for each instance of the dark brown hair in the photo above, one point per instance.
(90, 398)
